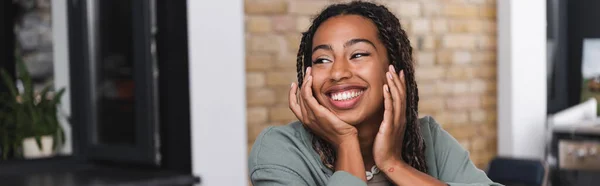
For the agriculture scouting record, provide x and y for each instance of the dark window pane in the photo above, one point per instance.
(114, 73)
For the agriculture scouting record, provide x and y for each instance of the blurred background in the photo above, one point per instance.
(178, 91)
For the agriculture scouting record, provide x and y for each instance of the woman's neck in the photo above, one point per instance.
(366, 137)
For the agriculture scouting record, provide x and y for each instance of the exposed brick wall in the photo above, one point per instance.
(455, 52)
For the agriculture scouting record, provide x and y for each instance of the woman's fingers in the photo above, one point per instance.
(305, 94)
(388, 111)
(293, 102)
(395, 94)
(306, 75)
(303, 108)
(398, 81)
(311, 101)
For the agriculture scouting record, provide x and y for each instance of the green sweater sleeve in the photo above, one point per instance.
(279, 157)
(453, 164)
(273, 175)
(280, 176)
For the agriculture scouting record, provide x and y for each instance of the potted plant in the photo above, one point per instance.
(30, 116)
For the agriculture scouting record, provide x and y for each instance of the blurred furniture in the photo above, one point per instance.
(574, 145)
(577, 149)
(517, 172)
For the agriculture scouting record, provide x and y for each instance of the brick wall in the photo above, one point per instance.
(455, 52)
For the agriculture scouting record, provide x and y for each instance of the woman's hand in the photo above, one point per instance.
(319, 119)
(387, 148)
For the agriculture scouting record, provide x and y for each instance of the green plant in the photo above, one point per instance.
(28, 113)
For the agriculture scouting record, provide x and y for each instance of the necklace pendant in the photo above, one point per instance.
(369, 175)
(374, 170)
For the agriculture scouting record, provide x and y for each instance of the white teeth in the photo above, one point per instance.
(345, 95)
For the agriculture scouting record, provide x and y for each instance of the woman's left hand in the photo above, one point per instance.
(387, 148)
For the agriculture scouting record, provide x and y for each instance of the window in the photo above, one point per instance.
(118, 72)
(569, 22)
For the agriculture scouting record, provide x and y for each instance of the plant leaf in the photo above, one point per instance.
(9, 82)
(43, 95)
(25, 77)
(57, 96)
(38, 140)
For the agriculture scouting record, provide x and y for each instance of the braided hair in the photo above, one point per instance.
(396, 42)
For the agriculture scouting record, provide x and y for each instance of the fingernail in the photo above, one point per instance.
(389, 75)
(308, 70)
(387, 89)
(392, 68)
(402, 73)
(292, 85)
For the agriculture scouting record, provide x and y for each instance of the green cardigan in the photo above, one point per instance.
(284, 155)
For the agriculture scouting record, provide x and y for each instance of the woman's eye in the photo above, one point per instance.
(321, 60)
(357, 55)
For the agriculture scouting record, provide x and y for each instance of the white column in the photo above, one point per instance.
(217, 97)
(521, 77)
(60, 52)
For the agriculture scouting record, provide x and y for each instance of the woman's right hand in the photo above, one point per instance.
(315, 116)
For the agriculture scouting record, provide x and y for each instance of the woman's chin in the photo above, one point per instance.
(350, 118)
(354, 116)
(359, 115)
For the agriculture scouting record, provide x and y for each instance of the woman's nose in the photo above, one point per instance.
(340, 70)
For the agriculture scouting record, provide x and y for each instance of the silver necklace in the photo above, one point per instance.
(370, 174)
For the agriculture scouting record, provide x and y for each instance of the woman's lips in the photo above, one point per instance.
(345, 99)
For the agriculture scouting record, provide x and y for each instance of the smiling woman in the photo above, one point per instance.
(356, 101)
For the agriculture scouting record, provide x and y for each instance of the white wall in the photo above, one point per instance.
(60, 49)
(521, 77)
(217, 85)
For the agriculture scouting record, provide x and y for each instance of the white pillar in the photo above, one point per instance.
(217, 97)
(521, 77)
(60, 53)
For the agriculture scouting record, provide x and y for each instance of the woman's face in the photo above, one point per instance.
(348, 69)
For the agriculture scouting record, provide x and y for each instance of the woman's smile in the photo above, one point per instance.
(345, 97)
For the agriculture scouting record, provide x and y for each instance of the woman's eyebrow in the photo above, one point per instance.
(324, 47)
(359, 40)
(347, 44)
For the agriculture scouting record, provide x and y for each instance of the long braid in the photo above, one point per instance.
(300, 60)
(399, 50)
(415, 142)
